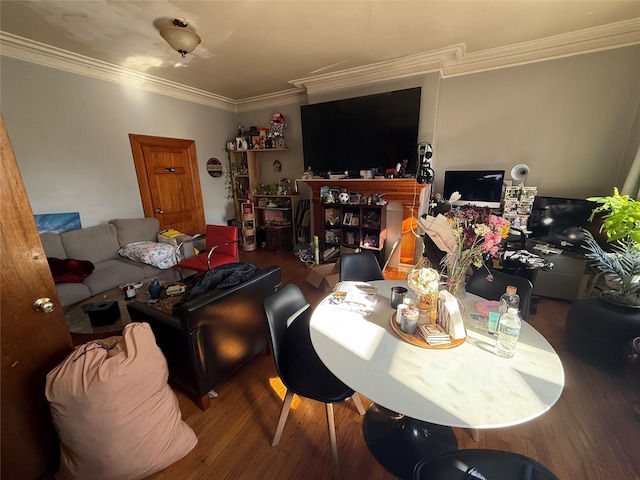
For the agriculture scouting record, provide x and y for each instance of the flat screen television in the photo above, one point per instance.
(559, 221)
(477, 187)
(373, 132)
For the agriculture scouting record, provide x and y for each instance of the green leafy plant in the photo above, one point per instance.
(621, 223)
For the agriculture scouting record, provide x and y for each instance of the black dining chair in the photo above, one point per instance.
(298, 365)
(479, 284)
(362, 266)
(472, 464)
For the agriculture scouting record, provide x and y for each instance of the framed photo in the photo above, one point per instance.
(355, 220)
(347, 218)
(354, 198)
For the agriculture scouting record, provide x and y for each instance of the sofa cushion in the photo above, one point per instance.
(115, 414)
(95, 244)
(131, 230)
(52, 244)
(111, 273)
(70, 293)
(149, 272)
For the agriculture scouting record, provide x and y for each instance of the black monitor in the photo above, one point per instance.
(482, 188)
(373, 132)
(559, 221)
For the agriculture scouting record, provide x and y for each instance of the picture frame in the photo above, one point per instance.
(347, 218)
(355, 221)
(354, 198)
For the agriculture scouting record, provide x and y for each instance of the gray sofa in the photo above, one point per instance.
(100, 245)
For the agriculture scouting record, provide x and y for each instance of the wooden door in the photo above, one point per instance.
(32, 342)
(167, 170)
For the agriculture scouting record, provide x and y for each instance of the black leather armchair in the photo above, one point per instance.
(213, 335)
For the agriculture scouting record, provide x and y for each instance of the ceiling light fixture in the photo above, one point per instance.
(180, 36)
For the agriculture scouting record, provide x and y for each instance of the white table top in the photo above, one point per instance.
(467, 386)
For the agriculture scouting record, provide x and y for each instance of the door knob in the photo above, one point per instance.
(44, 305)
(159, 210)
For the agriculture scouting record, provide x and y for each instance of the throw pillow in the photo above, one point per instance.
(160, 255)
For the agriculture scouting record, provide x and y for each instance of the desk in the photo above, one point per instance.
(466, 386)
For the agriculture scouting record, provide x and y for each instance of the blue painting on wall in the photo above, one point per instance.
(58, 222)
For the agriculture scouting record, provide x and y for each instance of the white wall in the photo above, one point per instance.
(569, 119)
(572, 120)
(70, 137)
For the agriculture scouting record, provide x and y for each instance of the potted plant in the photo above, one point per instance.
(621, 266)
(598, 328)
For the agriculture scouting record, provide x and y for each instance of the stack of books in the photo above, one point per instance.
(434, 334)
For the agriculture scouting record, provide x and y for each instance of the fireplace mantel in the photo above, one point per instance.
(403, 190)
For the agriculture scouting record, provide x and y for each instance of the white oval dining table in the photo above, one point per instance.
(419, 393)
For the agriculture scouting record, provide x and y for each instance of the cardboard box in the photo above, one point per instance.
(324, 277)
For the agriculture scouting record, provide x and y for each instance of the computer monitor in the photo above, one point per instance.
(482, 188)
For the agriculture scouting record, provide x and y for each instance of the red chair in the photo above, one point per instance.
(221, 247)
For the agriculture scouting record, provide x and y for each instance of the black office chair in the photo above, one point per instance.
(298, 365)
(478, 284)
(481, 463)
(361, 266)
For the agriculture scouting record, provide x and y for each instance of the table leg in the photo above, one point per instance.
(398, 442)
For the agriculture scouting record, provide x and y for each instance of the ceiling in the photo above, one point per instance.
(257, 48)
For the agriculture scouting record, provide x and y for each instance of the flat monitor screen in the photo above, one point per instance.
(559, 221)
(477, 187)
(373, 132)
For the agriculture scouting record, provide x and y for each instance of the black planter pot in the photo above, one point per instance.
(597, 330)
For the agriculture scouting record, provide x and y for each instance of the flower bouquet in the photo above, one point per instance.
(466, 234)
(424, 282)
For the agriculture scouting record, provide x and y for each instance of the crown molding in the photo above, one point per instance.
(404, 67)
(590, 40)
(449, 62)
(270, 100)
(27, 50)
(454, 61)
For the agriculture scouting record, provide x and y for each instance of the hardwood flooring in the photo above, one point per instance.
(589, 434)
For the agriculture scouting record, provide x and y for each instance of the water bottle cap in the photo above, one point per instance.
(511, 289)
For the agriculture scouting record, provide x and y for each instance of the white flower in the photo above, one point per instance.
(455, 196)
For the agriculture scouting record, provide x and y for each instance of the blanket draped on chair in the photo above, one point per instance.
(222, 276)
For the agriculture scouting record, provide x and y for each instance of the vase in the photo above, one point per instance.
(427, 304)
(456, 272)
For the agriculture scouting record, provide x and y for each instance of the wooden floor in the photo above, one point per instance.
(589, 434)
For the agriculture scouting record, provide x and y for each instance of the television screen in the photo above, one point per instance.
(478, 187)
(559, 221)
(364, 133)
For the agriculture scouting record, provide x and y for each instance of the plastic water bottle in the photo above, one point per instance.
(509, 327)
(509, 299)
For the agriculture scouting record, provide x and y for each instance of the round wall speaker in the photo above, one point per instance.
(520, 172)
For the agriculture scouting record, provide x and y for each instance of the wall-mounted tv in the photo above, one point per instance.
(363, 133)
(477, 187)
(559, 221)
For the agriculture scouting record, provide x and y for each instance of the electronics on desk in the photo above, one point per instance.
(477, 187)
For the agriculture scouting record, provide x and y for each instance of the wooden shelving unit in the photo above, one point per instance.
(352, 226)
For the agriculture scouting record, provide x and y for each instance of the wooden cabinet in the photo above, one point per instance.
(274, 216)
(352, 226)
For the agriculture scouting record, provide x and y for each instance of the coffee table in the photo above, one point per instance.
(79, 323)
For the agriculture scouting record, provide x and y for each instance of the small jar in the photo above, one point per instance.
(409, 322)
(129, 291)
(406, 303)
